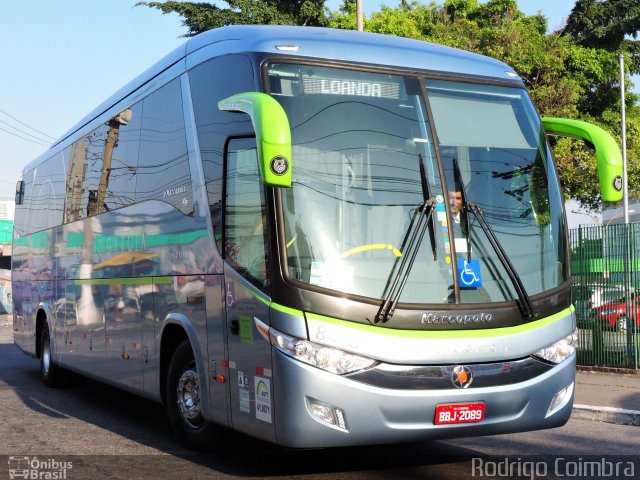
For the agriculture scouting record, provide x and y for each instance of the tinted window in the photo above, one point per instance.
(20, 224)
(163, 167)
(210, 83)
(47, 199)
(124, 138)
(245, 220)
(85, 166)
(102, 167)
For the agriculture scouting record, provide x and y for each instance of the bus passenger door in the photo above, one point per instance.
(246, 281)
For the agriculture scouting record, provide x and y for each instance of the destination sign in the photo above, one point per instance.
(347, 86)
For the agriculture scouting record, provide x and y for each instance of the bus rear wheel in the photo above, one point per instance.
(49, 372)
(183, 401)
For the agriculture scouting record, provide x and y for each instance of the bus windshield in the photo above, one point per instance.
(369, 147)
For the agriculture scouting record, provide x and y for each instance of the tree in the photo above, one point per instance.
(201, 16)
(606, 24)
(605, 27)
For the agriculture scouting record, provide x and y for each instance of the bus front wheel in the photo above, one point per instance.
(183, 400)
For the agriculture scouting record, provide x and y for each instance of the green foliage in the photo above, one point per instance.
(460, 9)
(394, 22)
(201, 16)
(606, 24)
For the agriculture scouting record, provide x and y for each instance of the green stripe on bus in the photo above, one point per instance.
(275, 306)
(124, 281)
(290, 311)
(483, 333)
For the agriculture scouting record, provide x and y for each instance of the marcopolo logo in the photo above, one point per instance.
(38, 469)
(617, 183)
(279, 165)
(435, 319)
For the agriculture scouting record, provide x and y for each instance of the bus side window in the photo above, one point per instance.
(245, 232)
(163, 164)
(210, 84)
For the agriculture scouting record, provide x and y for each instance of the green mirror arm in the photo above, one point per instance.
(608, 157)
(273, 135)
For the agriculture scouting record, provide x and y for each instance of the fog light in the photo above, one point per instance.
(331, 416)
(560, 399)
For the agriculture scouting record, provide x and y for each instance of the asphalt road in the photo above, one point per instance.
(89, 430)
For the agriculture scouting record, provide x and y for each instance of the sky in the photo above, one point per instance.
(60, 59)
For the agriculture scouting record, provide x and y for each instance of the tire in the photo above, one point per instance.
(50, 373)
(183, 403)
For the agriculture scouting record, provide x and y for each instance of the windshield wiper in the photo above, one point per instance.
(410, 246)
(524, 301)
(426, 194)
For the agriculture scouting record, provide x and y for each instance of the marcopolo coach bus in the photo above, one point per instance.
(315, 237)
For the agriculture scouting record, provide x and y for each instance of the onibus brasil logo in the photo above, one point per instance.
(38, 469)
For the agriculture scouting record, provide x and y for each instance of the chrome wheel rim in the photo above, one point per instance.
(189, 397)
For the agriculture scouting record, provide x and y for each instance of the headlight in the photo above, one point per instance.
(327, 358)
(561, 350)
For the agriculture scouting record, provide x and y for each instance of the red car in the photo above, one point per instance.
(614, 314)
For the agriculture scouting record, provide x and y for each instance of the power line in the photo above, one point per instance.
(39, 142)
(23, 132)
(25, 138)
(24, 124)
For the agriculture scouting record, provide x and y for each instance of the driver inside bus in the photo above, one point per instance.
(455, 204)
(467, 295)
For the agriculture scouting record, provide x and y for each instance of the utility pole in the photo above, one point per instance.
(360, 19)
(110, 144)
(75, 180)
(625, 195)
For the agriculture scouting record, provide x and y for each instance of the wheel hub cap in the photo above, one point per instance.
(189, 394)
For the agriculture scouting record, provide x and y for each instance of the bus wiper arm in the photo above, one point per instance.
(426, 194)
(402, 268)
(524, 303)
(464, 212)
(410, 245)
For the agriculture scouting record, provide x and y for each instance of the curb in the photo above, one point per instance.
(619, 416)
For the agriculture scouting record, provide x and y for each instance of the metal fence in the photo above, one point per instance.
(605, 266)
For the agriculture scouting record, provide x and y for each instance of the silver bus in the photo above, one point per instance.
(312, 236)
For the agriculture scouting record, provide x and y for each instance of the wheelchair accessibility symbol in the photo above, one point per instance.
(469, 275)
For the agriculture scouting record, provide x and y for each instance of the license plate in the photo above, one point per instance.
(452, 413)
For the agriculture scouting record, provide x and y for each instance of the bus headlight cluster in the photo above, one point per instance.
(561, 350)
(327, 358)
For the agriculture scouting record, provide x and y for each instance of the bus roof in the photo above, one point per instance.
(352, 46)
(317, 43)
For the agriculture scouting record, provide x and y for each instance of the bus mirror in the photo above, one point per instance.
(608, 157)
(19, 192)
(273, 135)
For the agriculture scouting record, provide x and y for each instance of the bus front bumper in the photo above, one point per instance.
(372, 415)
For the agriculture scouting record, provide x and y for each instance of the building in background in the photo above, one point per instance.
(7, 210)
(615, 215)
